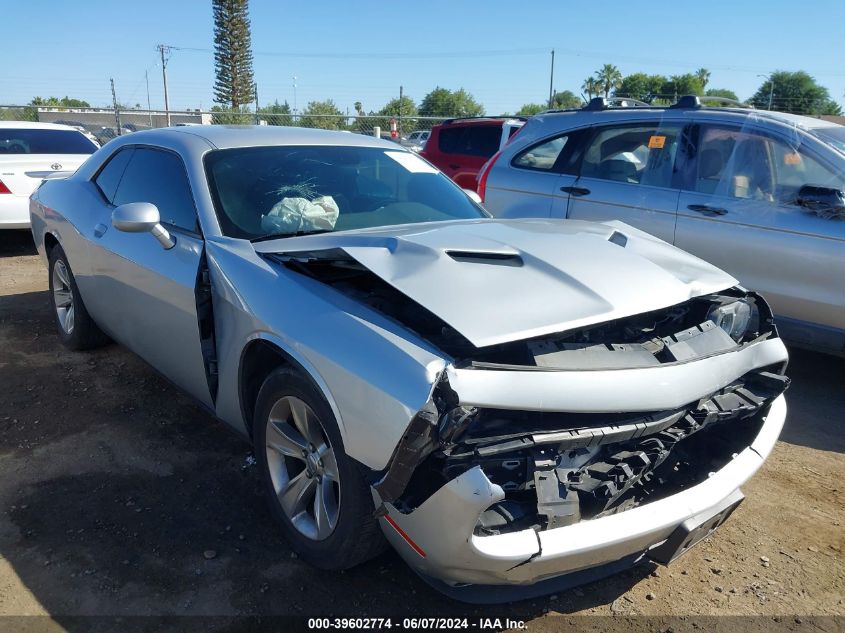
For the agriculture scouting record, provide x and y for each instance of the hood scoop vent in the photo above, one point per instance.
(482, 257)
(618, 238)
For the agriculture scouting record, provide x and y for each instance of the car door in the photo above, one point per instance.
(141, 294)
(627, 173)
(535, 179)
(739, 211)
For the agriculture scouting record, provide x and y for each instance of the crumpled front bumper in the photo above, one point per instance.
(437, 538)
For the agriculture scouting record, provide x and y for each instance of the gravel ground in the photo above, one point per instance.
(120, 497)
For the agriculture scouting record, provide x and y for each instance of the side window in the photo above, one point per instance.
(450, 140)
(750, 166)
(109, 177)
(472, 140)
(543, 156)
(483, 140)
(159, 177)
(635, 154)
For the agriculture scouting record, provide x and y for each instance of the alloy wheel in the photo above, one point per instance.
(63, 296)
(303, 469)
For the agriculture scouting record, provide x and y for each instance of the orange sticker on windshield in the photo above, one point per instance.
(793, 158)
(656, 142)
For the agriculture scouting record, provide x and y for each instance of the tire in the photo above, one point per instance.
(76, 328)
(286, 398)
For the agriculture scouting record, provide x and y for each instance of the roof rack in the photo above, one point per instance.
(518, 117)
(603, 103)
(686, 102)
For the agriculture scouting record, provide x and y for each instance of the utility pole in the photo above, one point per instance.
(149, 108)
(294, 99)
(552, 81)
(114, 103)
(165, 49)
(399, 122)
(255, 91)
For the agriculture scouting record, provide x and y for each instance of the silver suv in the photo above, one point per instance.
(759, 194)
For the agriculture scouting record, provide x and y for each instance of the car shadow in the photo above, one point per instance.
(123, 497)
(815, 401)
(16, 243)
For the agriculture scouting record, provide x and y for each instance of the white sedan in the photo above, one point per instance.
(30, 152)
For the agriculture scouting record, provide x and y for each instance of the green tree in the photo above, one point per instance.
(277, 113)
(566, 99)
(703, 76)
(323, 115)
(451, 103)
(641, 86)
(722, 92)
(680, 85)
(392, 110)
(795, 92)
(64, 102)
(530, 109)
(223, 115)
(359, 109)
(234, 85)
(609, 78)
(591, 86)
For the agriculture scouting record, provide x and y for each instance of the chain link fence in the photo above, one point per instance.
(106, 124)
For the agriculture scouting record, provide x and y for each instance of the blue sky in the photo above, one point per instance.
(364, 50)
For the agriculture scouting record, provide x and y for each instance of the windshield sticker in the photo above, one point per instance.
(412, 162)
(656, 142)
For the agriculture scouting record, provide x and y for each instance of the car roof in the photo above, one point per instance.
(727, 113)
(228, 136)
(34, 125)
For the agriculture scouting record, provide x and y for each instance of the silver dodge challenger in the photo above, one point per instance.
(513, 405)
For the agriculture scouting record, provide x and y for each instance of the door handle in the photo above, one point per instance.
(454, 166)
(100, 230)
(576, 191)
(706, 209)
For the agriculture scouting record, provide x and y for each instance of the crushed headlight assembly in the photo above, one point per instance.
(734, 317)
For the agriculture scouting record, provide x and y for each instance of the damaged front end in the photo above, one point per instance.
(543, 467)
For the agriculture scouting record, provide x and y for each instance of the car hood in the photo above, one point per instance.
(496, 281)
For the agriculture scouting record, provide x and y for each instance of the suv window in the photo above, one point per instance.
(158, 177)
(109, 177)
(635, 154)
(543, 156)
(472, 140)
(745, 165)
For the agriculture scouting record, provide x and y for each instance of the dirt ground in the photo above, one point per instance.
(113, 486)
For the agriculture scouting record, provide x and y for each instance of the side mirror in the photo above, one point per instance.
(142, 217)
(473, 196)
(825, 202)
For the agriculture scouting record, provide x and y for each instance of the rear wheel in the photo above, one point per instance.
(317, 493)
(76, 328)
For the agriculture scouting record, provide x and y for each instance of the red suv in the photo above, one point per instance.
(460, 147)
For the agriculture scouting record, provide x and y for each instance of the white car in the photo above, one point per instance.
(29, 153)
(416, 140)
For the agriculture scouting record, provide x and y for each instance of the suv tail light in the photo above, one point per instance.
(4, 188)
(485, 171)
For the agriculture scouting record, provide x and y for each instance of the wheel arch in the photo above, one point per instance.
(263, 354)
(50, 242)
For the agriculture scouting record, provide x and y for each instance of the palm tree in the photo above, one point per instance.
(609, 78)
(591, 86)
(703, 76)
(359, 108)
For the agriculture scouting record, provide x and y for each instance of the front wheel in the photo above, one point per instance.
(317, 493)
